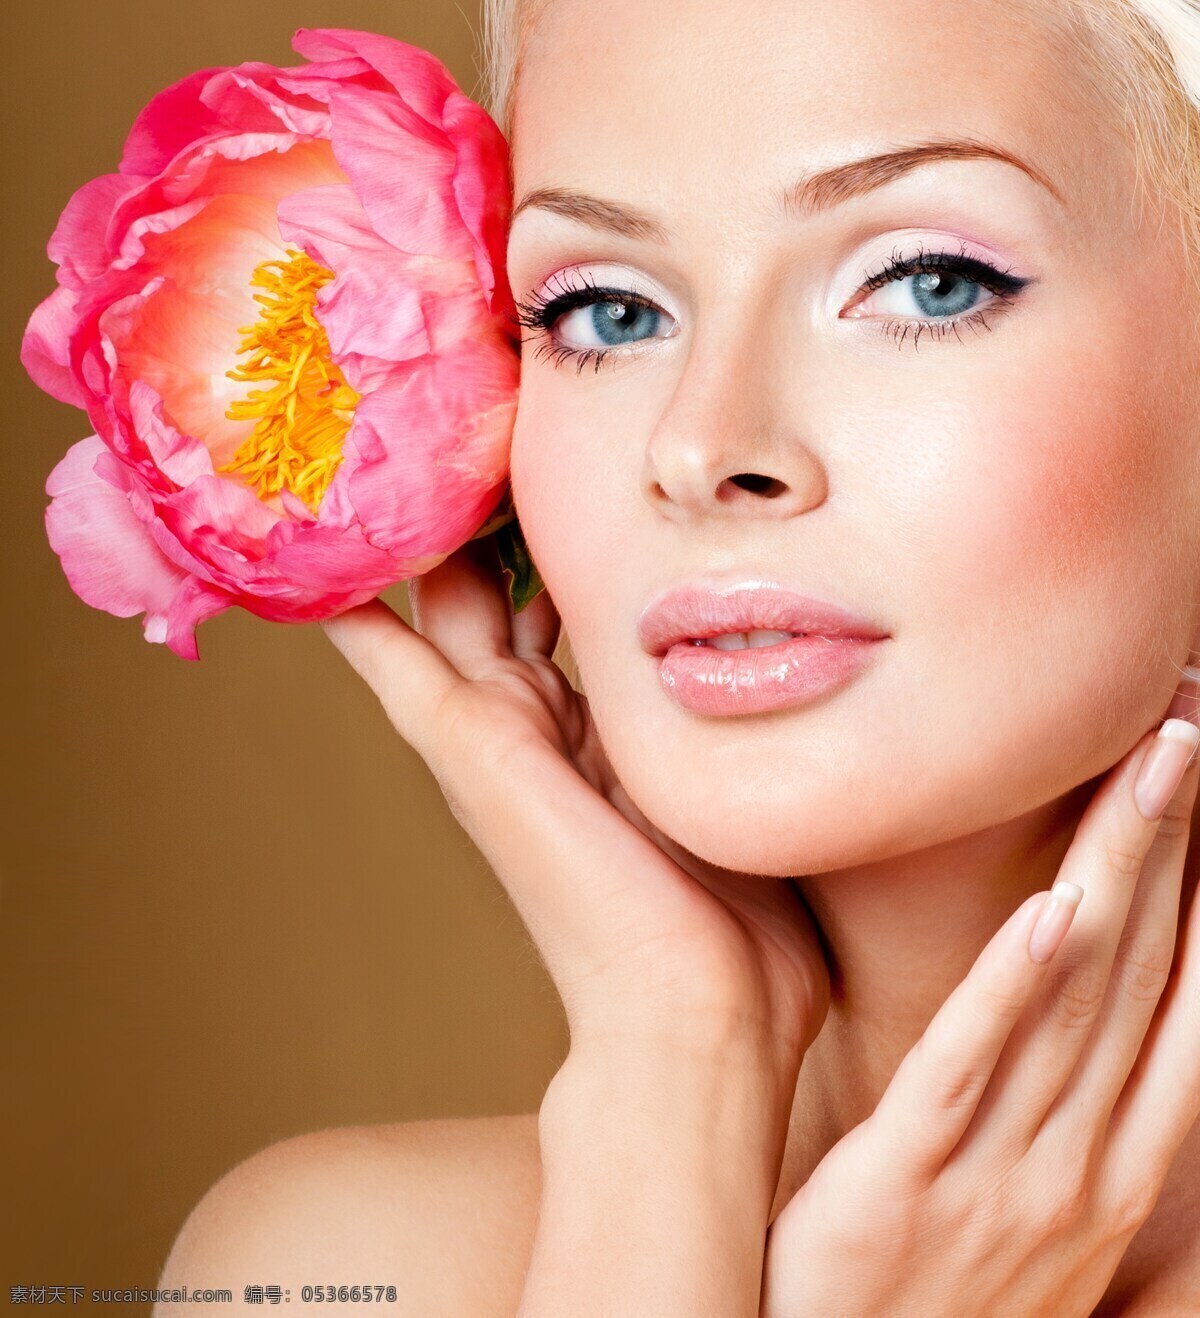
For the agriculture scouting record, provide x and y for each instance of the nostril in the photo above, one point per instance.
(756, 484)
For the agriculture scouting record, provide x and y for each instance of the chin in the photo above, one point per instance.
(748, 839)
(772, 827)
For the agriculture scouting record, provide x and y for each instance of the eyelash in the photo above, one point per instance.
(540, 314)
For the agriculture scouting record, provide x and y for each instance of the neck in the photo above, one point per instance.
(900, 935)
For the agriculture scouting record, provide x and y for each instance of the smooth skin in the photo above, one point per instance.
(993, 1118)
(958, 1195)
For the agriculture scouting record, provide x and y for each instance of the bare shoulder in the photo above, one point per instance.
(444, 1210)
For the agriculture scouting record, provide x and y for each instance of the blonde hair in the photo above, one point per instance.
(507, 25)
(1144, 54)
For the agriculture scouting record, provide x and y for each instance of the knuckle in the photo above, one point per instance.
(1075, 994)
(451, 707)
(933, 1059)
(469, 728)
(448, 717)
(1122, 859)
(1136, 1203)
(1003, 1001)
(1143, 967)
(466, 745)
(1069, 1202)
(953, 1087)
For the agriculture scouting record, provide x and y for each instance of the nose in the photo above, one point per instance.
(723, 447)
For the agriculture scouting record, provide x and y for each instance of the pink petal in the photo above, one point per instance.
(45, 348)
(107, 555)
(418, 75)
(246, 98)
(341, 558)
(479, 178)
(483, 194)
(318, 80)
(224, 528)
(145, 228)
(129, 481)
(196, 174)
(179, 456)
(229, 169)
(173, 119)
(459, 407)
(330, 225)
(181, 334)
(80, 242)
(196, 602)
(402, 169)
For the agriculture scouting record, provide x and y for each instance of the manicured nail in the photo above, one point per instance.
(1165, 763)
(1054, 919)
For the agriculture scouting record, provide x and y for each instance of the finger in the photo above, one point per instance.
(1139, 976)
(535, 629)
(1161, 1100)
(937, 1087)
(578, 874)
(461, 606)
(408, 674)
(575, 869)
(1105, 858)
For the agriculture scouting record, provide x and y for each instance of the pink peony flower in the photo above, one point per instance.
(288, 321)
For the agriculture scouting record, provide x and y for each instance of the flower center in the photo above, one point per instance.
(305, 412)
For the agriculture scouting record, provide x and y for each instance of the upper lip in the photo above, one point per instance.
(696, 611)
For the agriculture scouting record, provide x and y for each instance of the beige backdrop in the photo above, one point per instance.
(234, 906)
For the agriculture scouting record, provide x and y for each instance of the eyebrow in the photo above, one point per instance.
(812, 195)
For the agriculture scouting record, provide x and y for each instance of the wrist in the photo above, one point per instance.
(740, 1050)
(718, 1110)
(659, 1167)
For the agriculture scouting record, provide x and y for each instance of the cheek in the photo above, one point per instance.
(1061, 568)
(1063, 497)
(1091, 482)
(565, 502)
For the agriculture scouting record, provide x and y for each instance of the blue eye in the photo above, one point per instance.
(614, 317)
(617, 320)
(945, 287)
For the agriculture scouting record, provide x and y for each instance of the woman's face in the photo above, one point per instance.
(1001, 478)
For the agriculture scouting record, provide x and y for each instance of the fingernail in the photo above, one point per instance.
(1186, 703)
(1054, 919)
(1164, 765)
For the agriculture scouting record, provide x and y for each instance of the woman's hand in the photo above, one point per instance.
(691, 992)
(1025, 1138)
(640, 937)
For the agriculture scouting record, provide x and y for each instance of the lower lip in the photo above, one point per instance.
(754, 680)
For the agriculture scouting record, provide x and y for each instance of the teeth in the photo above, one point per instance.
(748, 640)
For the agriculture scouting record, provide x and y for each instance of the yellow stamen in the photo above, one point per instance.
(303, 417)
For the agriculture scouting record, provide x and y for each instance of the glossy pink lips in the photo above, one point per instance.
(752, 681)
(707, 680)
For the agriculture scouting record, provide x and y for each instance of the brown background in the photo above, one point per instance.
(234, 905)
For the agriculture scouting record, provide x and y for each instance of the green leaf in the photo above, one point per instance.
(524, 582)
